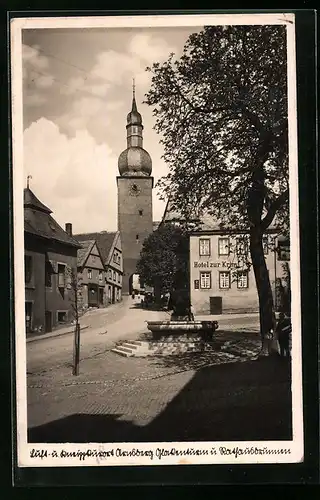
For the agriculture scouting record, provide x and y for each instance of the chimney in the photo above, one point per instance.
(69, 228)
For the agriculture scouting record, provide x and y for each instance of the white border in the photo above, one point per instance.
(244, 453)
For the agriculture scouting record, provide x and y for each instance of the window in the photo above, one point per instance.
(205, 280)
(61, 275)
(265, 245)
(242, 246)
(114, 276)
(27, 268)
(223, 246)
(100, 276)
(204, 247)
(110, 274)
(89, 272)
(224, 279)
(137, 237)
(115, 256)
(140, 212)
(62, 316)
(242, 279)
(119, 278)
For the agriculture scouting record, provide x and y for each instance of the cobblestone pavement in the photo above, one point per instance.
(210, 395)
(116, 398)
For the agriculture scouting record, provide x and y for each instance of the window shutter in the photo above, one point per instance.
(54, 266)
(68, 277)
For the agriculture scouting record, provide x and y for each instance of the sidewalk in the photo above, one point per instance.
(56, 333)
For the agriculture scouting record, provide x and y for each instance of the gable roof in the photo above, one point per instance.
(104, 239)
(39, 222)
(84, 251)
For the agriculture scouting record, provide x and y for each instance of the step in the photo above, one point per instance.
(128, 345)
(122, 353)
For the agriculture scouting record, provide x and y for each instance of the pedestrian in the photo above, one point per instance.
(191, 313)
(283, 333)
(133, 295)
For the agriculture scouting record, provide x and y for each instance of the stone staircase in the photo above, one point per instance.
(142, 348)
(164, 346)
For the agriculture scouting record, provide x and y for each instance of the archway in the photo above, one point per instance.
(130, 284)
(134, 283)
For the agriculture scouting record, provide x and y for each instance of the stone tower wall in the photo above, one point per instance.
(131, 223)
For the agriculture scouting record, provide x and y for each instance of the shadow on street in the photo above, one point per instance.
(242, 401)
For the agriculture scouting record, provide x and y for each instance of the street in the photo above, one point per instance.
(185, 397)
(104, 327)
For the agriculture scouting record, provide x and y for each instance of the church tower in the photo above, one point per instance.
(135, 185)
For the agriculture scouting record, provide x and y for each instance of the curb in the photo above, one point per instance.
(53, 334)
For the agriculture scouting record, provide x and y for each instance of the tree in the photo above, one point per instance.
(222, 112)
(73, 285)
(164, 259)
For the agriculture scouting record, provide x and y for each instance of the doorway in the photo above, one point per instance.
(100, 296)
(28, 316)
(215, 305)
(48, 321)
(93, 299)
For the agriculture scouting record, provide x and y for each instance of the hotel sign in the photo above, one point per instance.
(207, 265)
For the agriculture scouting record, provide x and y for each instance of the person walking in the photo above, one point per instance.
(284, 330)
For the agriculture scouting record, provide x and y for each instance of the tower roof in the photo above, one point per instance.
(134, 161)
(31, 201)
(134, 117)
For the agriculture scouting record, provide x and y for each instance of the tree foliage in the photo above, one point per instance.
(222, 112)
(164, 259)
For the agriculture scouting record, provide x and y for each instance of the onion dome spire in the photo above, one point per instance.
(134, 160)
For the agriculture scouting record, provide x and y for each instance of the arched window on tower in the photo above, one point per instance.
(137, 238)
(140, 212)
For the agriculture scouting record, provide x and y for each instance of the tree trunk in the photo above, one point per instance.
(157, 292)
(266, 307)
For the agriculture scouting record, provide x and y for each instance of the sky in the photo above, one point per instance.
(77, 92)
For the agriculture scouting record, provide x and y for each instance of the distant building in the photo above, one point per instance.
(91, 276)
(109, 247)
(50, 265)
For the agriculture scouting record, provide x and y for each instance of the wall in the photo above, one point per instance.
(35, 290)
(234, 299)
(49, 298)
(55, 301)
(130, 223)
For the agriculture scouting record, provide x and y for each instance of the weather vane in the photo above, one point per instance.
(28, 180)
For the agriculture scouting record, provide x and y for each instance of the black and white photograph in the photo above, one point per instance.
(156, 240)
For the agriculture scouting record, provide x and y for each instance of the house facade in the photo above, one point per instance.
(109, 247)
(221, 280)
(50, 266)
(91, 277)
(114, 270)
